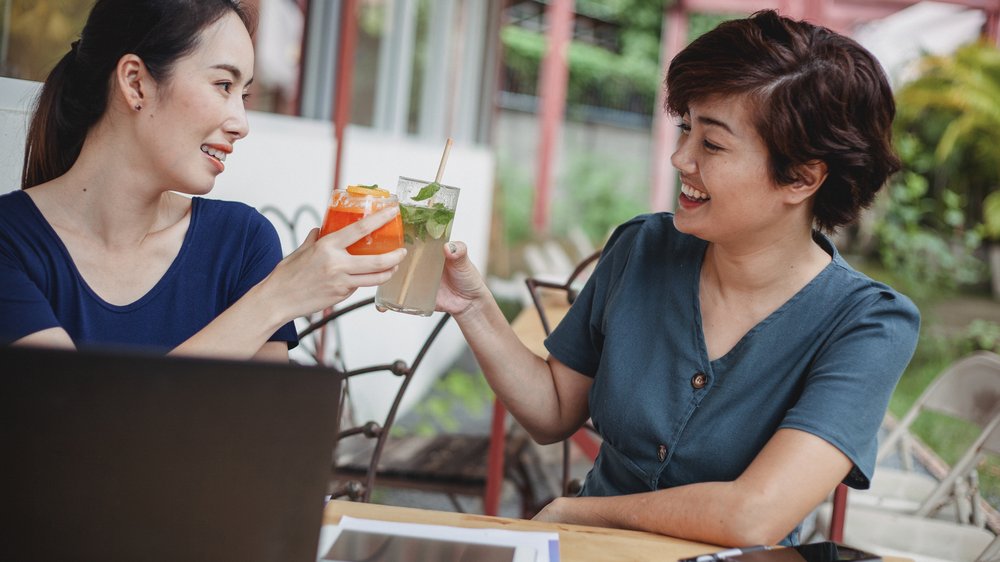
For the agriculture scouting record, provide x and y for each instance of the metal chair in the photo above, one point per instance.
(533, 327)
(968, 390)
(350, 481)
(925, 539)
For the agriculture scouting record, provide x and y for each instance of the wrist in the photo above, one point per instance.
(268, 303)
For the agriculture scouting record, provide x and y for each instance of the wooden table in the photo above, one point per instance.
(576, 542)
(528, 326)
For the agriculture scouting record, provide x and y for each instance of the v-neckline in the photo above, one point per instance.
(827, 247)
(148, 295)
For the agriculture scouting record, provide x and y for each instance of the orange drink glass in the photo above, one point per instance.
(350, 205)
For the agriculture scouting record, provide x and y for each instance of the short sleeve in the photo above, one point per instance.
(263, 253)
(578, 340)
(847, 391)
(24, 309)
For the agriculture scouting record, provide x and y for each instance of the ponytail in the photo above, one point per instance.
(75, 95)
(55, 134)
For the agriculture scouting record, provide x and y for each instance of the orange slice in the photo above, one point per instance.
(372, 190)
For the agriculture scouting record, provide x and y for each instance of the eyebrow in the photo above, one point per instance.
(710, 121)
(237, 75)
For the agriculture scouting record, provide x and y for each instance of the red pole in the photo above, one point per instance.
(494, 459)
(839, 514)
(345, 73)
(663, 189)
(552, 90)
(296, 108)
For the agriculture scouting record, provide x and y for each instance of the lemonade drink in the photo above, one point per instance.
(357, 202)
(428, 211)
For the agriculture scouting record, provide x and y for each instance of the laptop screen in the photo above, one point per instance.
(129, 457)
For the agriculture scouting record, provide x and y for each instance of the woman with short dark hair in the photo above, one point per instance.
(110, 243)
(736, 367)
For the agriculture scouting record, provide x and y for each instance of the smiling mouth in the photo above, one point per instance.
(694, 194)
(214, 153)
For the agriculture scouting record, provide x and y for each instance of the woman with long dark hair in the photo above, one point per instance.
(110, 244)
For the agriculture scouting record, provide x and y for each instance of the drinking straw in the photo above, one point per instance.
(408, 278)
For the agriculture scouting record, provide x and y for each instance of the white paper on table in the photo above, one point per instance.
(545, 545)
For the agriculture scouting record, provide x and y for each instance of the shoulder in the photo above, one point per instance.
(13, 204)
(21, 224)
(867, 303)
(651, 239)
(653, 229)
(232, 215)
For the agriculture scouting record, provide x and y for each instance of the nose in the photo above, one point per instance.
(237, 126)
(682, 159)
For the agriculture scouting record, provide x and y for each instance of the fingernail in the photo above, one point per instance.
(452, 247)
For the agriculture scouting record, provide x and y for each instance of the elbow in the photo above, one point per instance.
(545, 436)
(755, 522)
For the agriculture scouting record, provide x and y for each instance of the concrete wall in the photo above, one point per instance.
(627, 148)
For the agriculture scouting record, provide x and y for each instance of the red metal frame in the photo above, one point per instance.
(552, 90)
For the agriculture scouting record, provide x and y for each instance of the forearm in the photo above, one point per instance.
(788, 478)
(523, 381)
(719, 513)
(240, 331)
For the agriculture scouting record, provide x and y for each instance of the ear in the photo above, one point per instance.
(132, 82)
(811, 176)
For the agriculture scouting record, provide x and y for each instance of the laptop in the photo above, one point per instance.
(137, 457)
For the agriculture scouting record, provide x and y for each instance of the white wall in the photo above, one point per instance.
(16, 97)
(286, 163)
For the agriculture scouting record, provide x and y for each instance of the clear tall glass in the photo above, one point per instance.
(350, 205)
(428, 211)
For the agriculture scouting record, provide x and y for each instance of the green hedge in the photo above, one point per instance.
(596, 76)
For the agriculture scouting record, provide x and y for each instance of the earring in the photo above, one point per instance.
(138, 107)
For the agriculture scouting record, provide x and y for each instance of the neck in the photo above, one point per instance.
(107, 195)
(773, 264)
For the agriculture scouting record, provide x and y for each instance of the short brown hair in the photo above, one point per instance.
(817, 95)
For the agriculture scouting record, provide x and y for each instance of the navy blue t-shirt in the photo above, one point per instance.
(826, 362)
(229, 247)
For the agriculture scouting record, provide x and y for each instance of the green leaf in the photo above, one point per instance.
(435, 229)
(427, 191)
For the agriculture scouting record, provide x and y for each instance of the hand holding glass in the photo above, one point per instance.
(428, 211)
(350, 205)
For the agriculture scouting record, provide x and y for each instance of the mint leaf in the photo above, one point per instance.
(427, 191)
(435, 229)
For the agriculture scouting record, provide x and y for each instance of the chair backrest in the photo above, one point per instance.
(988, 441)
(969, 389)
(565, 293)
(378, 431)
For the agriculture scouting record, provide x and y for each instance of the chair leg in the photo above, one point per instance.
(494, 460)
(838, 514)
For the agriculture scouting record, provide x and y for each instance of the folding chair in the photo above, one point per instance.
(926, 539)
(969, 390)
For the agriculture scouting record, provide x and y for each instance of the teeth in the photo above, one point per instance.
(693, 193)
(217, 154)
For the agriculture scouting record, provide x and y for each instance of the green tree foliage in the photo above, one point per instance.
(596, 76)
(627, 80)
(922, 240)
(40, 34)
(954, 106)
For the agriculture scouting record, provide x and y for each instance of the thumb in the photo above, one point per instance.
(457, 256)
(307, 243)
(458, 264)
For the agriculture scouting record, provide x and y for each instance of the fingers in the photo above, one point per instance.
(455, 250)
(356, 231)
(309, 241)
